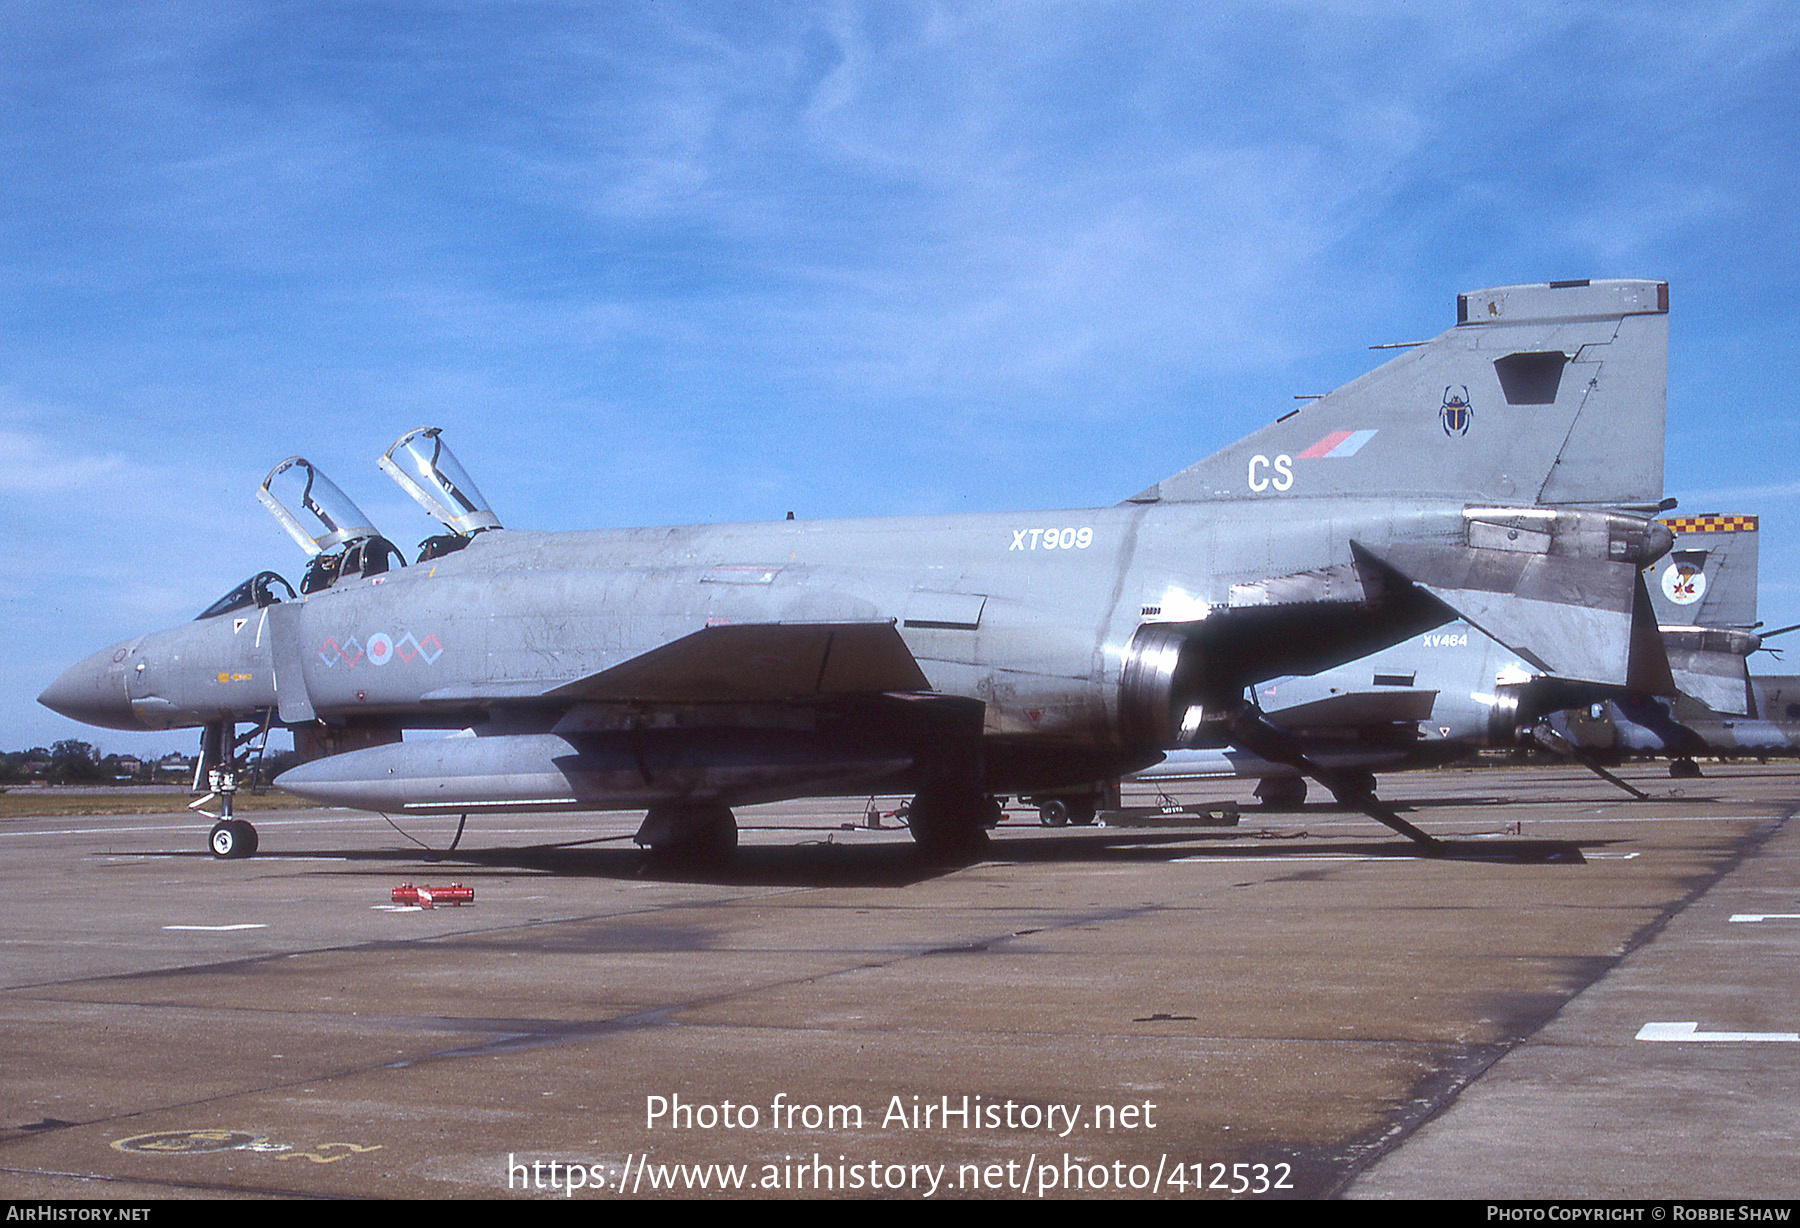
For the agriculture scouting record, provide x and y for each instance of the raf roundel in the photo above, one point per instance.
(380, 648)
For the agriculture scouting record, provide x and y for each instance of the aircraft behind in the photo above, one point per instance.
(1452, 691)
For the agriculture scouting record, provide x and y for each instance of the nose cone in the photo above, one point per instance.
(93, 691)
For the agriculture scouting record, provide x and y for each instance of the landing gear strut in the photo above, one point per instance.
(231, 838)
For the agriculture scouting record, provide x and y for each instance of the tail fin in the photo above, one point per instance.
(1709, 578)
(1547, 393)
(1705, 597)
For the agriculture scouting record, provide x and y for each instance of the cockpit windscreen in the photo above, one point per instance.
(254, 593)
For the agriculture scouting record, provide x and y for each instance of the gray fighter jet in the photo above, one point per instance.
(1431, 699)
(1504, 473)
(1775, 730)
(1705, 596)
(1443, 695)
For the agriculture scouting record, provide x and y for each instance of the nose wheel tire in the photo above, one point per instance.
(232, 839)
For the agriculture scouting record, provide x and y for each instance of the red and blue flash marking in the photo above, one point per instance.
(1337, 445)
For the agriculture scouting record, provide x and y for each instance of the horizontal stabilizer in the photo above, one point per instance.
(760, 662)
(1571, 618)
(1720, 680)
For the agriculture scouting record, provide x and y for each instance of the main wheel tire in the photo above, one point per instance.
(1282, 792)
(700, 833)
(950, 825)
(232, 839)
(1054, 813)
(1684, 769)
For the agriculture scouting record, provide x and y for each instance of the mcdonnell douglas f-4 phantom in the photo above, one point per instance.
(1504, 473)
(1445, 694)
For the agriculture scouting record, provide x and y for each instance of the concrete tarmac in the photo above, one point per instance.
(1301, 1006)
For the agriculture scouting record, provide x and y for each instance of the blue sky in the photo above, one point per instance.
(666, 262)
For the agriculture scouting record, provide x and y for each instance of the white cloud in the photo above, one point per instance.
(31, 465)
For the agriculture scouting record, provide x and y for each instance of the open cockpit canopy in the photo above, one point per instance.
(428, 470)
(328, 526)
(325, 517)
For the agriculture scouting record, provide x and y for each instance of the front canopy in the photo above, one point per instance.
(311, 508)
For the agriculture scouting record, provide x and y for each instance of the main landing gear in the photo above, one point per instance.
(689, 832)
(1283, 793)
(949, 824)
(1255, 733)
(1080, 809)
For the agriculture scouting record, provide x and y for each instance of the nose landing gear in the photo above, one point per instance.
(231, 838)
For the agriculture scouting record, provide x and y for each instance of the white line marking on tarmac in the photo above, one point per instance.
(1765, 916)
(1653, 818)
(219, 929)
(107, 829)
(1546, 821)
(1691, 1031)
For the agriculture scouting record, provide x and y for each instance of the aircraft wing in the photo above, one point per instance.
(1400, 705)
(760, 662)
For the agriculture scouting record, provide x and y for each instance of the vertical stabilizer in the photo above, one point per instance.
(1547, 393)
(1709, 578)
(1704, 592)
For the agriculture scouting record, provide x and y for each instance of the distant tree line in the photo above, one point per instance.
(72, 762)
